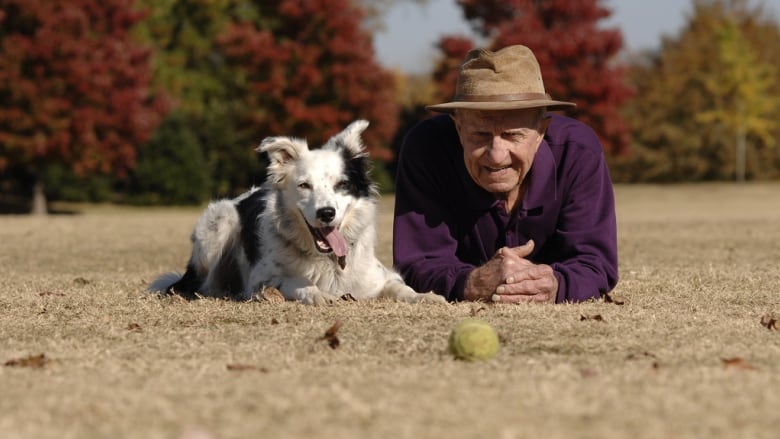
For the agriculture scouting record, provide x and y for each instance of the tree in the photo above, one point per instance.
(308, 69)
(189, 64)
(688, 120)
(742, 92)
(246, 69)
(576, 55)
(74, 88)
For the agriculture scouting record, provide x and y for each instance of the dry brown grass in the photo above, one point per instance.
(699, 270)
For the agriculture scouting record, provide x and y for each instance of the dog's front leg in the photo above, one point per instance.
(395, 288)
(303, 291)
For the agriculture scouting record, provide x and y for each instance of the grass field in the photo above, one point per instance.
(685, 355)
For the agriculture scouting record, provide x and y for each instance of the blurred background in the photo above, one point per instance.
(161, 102)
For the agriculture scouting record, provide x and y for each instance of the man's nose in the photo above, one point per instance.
(497, 151)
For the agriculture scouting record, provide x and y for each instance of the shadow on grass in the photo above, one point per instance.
(20, 206)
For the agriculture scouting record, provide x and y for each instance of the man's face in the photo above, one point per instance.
(499, 147)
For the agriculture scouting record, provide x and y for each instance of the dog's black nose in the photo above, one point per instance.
(326, 214)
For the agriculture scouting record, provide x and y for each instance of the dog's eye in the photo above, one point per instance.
(304, 185)
(342, 185)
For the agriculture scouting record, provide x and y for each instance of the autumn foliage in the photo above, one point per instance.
(74, 87)
(311, 71)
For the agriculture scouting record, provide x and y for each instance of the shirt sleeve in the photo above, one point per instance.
(424, 247)
(585, 238)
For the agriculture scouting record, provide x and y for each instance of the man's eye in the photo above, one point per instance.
(304, 185)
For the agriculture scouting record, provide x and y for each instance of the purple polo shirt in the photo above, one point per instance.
(446, 225)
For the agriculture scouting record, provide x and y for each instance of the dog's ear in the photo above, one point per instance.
(282, 150)
(349, 138)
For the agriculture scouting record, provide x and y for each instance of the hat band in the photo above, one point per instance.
(502, 98)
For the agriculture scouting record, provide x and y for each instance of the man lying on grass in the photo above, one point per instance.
(498, 200)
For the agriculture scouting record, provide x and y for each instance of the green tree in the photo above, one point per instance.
(742, 91)
(246, 69)
(685, 120)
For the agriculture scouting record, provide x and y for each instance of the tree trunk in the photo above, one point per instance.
(741, 147)
(39, 199)
(741, 152)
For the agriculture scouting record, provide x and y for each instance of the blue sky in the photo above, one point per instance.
(411, 30)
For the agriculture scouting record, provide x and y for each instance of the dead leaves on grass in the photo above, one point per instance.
(770, 323)
(271, 294)
(51, 293)
(655, 365)
(330, 335)
(594, 317)
(738, 363)
(239, 367)
(610, 299)
(33, 362)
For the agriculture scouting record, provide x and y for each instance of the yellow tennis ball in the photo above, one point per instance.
(473, 339)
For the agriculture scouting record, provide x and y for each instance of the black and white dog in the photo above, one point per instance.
(308, 231)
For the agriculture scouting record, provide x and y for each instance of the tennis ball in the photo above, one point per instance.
(473, 339)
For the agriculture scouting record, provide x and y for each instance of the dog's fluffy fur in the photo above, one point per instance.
(308, 231)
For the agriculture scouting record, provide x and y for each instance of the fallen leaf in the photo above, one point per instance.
(596, 317)
(50, 293)
(135, 327)
(737, 363)
(271, 294)
(242, 367)
(33, 361)
(644, 354)
(330, 335)
(609, 299)
(770, 323)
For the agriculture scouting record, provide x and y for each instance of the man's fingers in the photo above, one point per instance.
(521, 298)
(523, 250)
(529, 271)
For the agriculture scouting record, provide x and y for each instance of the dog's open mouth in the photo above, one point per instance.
(329, 239)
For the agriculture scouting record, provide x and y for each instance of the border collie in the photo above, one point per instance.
(308, 231)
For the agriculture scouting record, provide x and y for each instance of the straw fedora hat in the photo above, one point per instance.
(508, 79)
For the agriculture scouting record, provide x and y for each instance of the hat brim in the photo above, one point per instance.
(449, 107)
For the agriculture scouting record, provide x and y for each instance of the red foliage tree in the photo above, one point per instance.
(74, 87)
(445, 73)
(310, 71)
(576, 55)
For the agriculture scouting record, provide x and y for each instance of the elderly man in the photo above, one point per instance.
(496, 200)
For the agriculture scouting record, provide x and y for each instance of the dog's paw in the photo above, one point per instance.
(403, 293)
(319, 298)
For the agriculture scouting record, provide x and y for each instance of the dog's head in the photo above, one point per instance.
(322, 184)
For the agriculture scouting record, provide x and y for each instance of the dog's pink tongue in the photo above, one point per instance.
(335, 240)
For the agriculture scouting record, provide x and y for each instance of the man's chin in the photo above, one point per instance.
(499, 188)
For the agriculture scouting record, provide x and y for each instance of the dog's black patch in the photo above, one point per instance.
(227, 274)
(188, 285)
(248, 210)
(357, 169)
